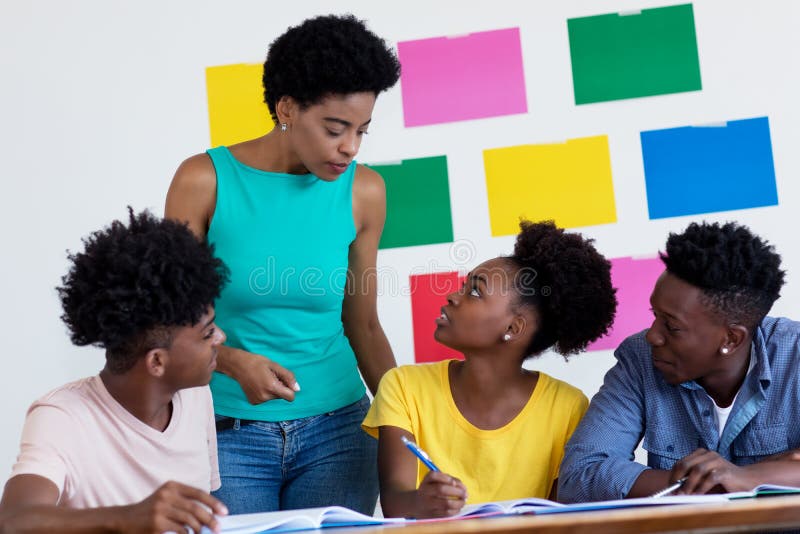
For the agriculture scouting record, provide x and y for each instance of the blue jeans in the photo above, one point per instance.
(322, 460)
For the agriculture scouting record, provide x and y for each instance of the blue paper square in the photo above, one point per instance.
(703, 169)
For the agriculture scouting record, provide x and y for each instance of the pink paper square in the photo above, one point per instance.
(428, 295)
(634, 280)
(447, 79)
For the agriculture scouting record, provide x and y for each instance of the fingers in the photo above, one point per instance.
(188, 506)
(211, 502)
(703, 470)
(683, 466)
(443, 495)
(285, 376)
(267, 380)
(280, 390)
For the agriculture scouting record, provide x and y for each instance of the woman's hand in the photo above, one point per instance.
(261, 379)
(439, 495)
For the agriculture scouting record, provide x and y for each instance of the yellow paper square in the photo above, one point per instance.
(236, 108)
(567, 182)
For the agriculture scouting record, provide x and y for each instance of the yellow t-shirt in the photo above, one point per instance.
(520, 459)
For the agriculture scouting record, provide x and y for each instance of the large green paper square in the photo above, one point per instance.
(417, 202)
(616, 56)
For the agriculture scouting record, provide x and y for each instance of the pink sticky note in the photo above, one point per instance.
(634, 280)
(446, 79)
(428, 295)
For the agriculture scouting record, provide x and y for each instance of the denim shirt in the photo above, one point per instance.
(635, 403)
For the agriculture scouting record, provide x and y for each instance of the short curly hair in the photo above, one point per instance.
(327, 55)
(568, 282)
(133, 284)
(738, 273)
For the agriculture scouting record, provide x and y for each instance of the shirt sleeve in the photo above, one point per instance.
(390, 406)
(598, 460)
(44, 446)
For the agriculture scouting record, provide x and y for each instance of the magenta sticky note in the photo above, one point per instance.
(446, 79)
(634, 279)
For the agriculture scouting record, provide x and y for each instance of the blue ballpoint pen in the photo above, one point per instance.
(419, 453)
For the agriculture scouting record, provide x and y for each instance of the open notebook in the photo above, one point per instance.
(763, 490)
(337, 516)
(543, 506)
(306, 519)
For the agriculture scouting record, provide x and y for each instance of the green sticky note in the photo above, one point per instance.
(629, 55)
(417, 202)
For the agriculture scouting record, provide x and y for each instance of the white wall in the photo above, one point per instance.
(100, 100)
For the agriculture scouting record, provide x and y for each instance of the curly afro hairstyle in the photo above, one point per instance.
(563, 277)
(133, 284)
(738, 273)
(327, 55)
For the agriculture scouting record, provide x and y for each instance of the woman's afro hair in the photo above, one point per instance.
(327, 55)
(132, 282)
(738, 273)
(563, 277)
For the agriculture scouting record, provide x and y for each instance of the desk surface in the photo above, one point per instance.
(745, 515)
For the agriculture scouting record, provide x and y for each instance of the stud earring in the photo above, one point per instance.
(507, 337)
(724, 350)
(284, 126)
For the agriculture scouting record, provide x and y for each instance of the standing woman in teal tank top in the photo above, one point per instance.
(298, 223)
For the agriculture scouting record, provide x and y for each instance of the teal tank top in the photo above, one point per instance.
(285, 239)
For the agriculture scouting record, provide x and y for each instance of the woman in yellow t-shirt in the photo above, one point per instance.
(495, 430)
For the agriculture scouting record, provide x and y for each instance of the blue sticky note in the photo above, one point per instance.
(703, 169)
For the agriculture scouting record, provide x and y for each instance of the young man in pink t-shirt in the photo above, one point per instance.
(133, 448)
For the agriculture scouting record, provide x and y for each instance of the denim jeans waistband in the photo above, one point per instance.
(226, 423)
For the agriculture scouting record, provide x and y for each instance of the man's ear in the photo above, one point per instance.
(734, 337)
(155, 361)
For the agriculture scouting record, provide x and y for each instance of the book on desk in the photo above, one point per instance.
(337, 516)
(763, 490)
(543, 506)
(304, 519)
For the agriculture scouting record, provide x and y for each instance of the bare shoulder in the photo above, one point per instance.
(192, 195)
(368, 185)
(196, 173)
(369, 200)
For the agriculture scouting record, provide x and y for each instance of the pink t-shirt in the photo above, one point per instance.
(98, 454)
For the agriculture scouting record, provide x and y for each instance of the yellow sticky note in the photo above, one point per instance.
(236, 108)
(567, 182)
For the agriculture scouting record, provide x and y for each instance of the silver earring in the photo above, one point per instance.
(724, 350)
(507, 337)
(284, 126)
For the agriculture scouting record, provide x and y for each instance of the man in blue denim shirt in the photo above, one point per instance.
(713, 386)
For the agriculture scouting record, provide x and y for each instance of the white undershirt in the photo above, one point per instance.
(723, 413)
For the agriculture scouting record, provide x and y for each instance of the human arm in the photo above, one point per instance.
(192, 199)
(598, 460)
(438, 495)
(394, 413)
(706, 471)
(260, 378)
(360, 309)
(29, 504)
(651, 481)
